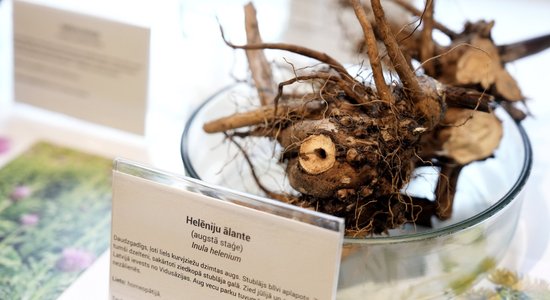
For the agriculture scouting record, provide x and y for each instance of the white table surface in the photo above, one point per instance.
(189, 62)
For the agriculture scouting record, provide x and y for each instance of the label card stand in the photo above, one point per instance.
(175, 237)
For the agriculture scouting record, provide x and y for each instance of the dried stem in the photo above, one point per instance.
(320, 56)
(413, 10)
(372, 52)
(446, 189)
(258, 64)
(524, 48)
(427, 50)
(265, 114)
(399, 62)
(468, 98)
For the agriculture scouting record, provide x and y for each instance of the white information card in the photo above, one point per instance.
(83, 66)
(178, 238)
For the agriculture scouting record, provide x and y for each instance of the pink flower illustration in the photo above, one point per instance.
(29, 219)
(20, 192)
(74, 259)
(4, 145)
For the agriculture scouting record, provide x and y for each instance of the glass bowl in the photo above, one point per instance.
(412, 262)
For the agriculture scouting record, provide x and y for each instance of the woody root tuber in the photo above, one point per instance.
(349, 146)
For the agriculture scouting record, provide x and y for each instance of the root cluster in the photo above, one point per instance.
(349, 146)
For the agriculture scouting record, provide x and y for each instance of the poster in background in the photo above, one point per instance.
(84, 66)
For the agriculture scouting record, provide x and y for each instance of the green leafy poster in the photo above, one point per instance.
(55, 214)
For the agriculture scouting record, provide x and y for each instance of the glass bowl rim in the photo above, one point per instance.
(471, 221)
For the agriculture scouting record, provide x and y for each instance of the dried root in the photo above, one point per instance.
(350, 147)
